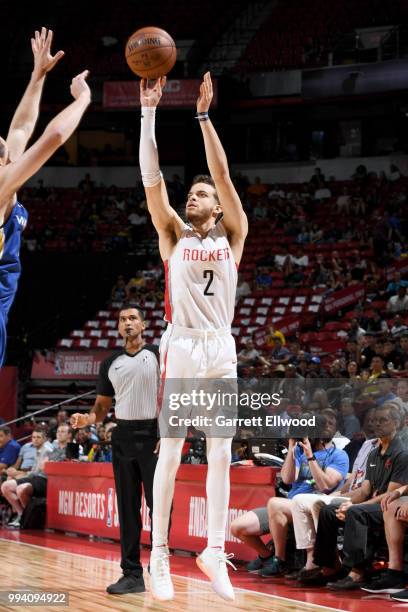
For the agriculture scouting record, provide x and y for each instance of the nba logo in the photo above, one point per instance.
(110, 508)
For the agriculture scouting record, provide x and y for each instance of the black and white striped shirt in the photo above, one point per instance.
(134, 382)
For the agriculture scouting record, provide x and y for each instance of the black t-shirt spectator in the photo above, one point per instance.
(392, 466)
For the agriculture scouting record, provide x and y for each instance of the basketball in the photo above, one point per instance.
(151, 52)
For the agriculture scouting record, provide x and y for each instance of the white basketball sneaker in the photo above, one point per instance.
(161, 584)
(213, 562)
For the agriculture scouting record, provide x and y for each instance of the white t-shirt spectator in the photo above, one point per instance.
(342, 201)
(396, 304)
(276, 193)
(280, 259)
(300, 261)
(243, 289)
(322, 194)
(135, 219)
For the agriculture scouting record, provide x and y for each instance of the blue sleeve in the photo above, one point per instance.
(298, 454)
(340, 462)
(10, 454)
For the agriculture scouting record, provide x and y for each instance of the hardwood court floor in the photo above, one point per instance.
(55, 562)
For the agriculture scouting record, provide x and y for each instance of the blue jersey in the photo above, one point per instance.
(10, 266)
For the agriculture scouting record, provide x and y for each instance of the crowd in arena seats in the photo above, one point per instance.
(22, 474)
(302, 33)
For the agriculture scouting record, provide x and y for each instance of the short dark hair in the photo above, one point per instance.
(208, 180)
(40, 430)
(132, 307)
(6, 430)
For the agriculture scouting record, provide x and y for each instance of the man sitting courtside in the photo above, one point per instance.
(9, 449)
(18, 492)
(387, 470)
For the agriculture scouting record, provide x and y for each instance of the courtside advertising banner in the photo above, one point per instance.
(68, 365)
(176, 94)
(81, 498)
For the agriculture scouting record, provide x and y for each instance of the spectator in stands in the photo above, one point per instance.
(394, 174)
(368, 351)
(9, 449)
(386, 471)
(250, 356)
(64, 436)
(260, 211)
(118, 292)
(401, 398)
(306, 509)
(395, 513)
(396, 282)
(303, 237)
(85, 439)
(398, 326)
(263, 279)
(376, 368)
(18, 492)
(276, 193)
(376, 323)
(86, 185)
(300, 258)
(257, 188)
(317, 178)
(283, 259)
(350, 423)
(280, 355)
(403, 346)
(360, 174)
(243, 288)
(322, 192)
(355, 332)
(315, 234)
(344, 202)
(310, 466)
(399, 302)
(62, 417)
(28, 456)
(333, 427)
(392, 355)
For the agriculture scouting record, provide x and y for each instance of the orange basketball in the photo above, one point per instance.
(151, 52)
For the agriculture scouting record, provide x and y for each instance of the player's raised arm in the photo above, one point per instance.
(13, 175)
(165, 219)
(26, 115)
(234, 217)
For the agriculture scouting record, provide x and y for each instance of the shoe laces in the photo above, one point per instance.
(162, 567)
(222, 557)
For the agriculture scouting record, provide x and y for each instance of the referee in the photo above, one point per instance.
(132, 376)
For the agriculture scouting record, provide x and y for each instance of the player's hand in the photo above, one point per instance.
(79, 420)
(206, 94)
(157, 448)
(79, 86)
(389, 498)
(41, 46)
(11, 472)
(150, 94)
(402, 512)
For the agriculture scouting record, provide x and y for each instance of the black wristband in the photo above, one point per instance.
(312, 458)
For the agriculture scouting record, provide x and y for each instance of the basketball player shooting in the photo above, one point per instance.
(18, 165)
(201, 260)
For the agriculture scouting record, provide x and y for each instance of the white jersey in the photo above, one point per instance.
(201, 280)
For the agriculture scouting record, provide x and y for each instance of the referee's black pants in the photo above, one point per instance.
(359, 542)
(134, 462)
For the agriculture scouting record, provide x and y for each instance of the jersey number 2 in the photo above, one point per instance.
(208, 274)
